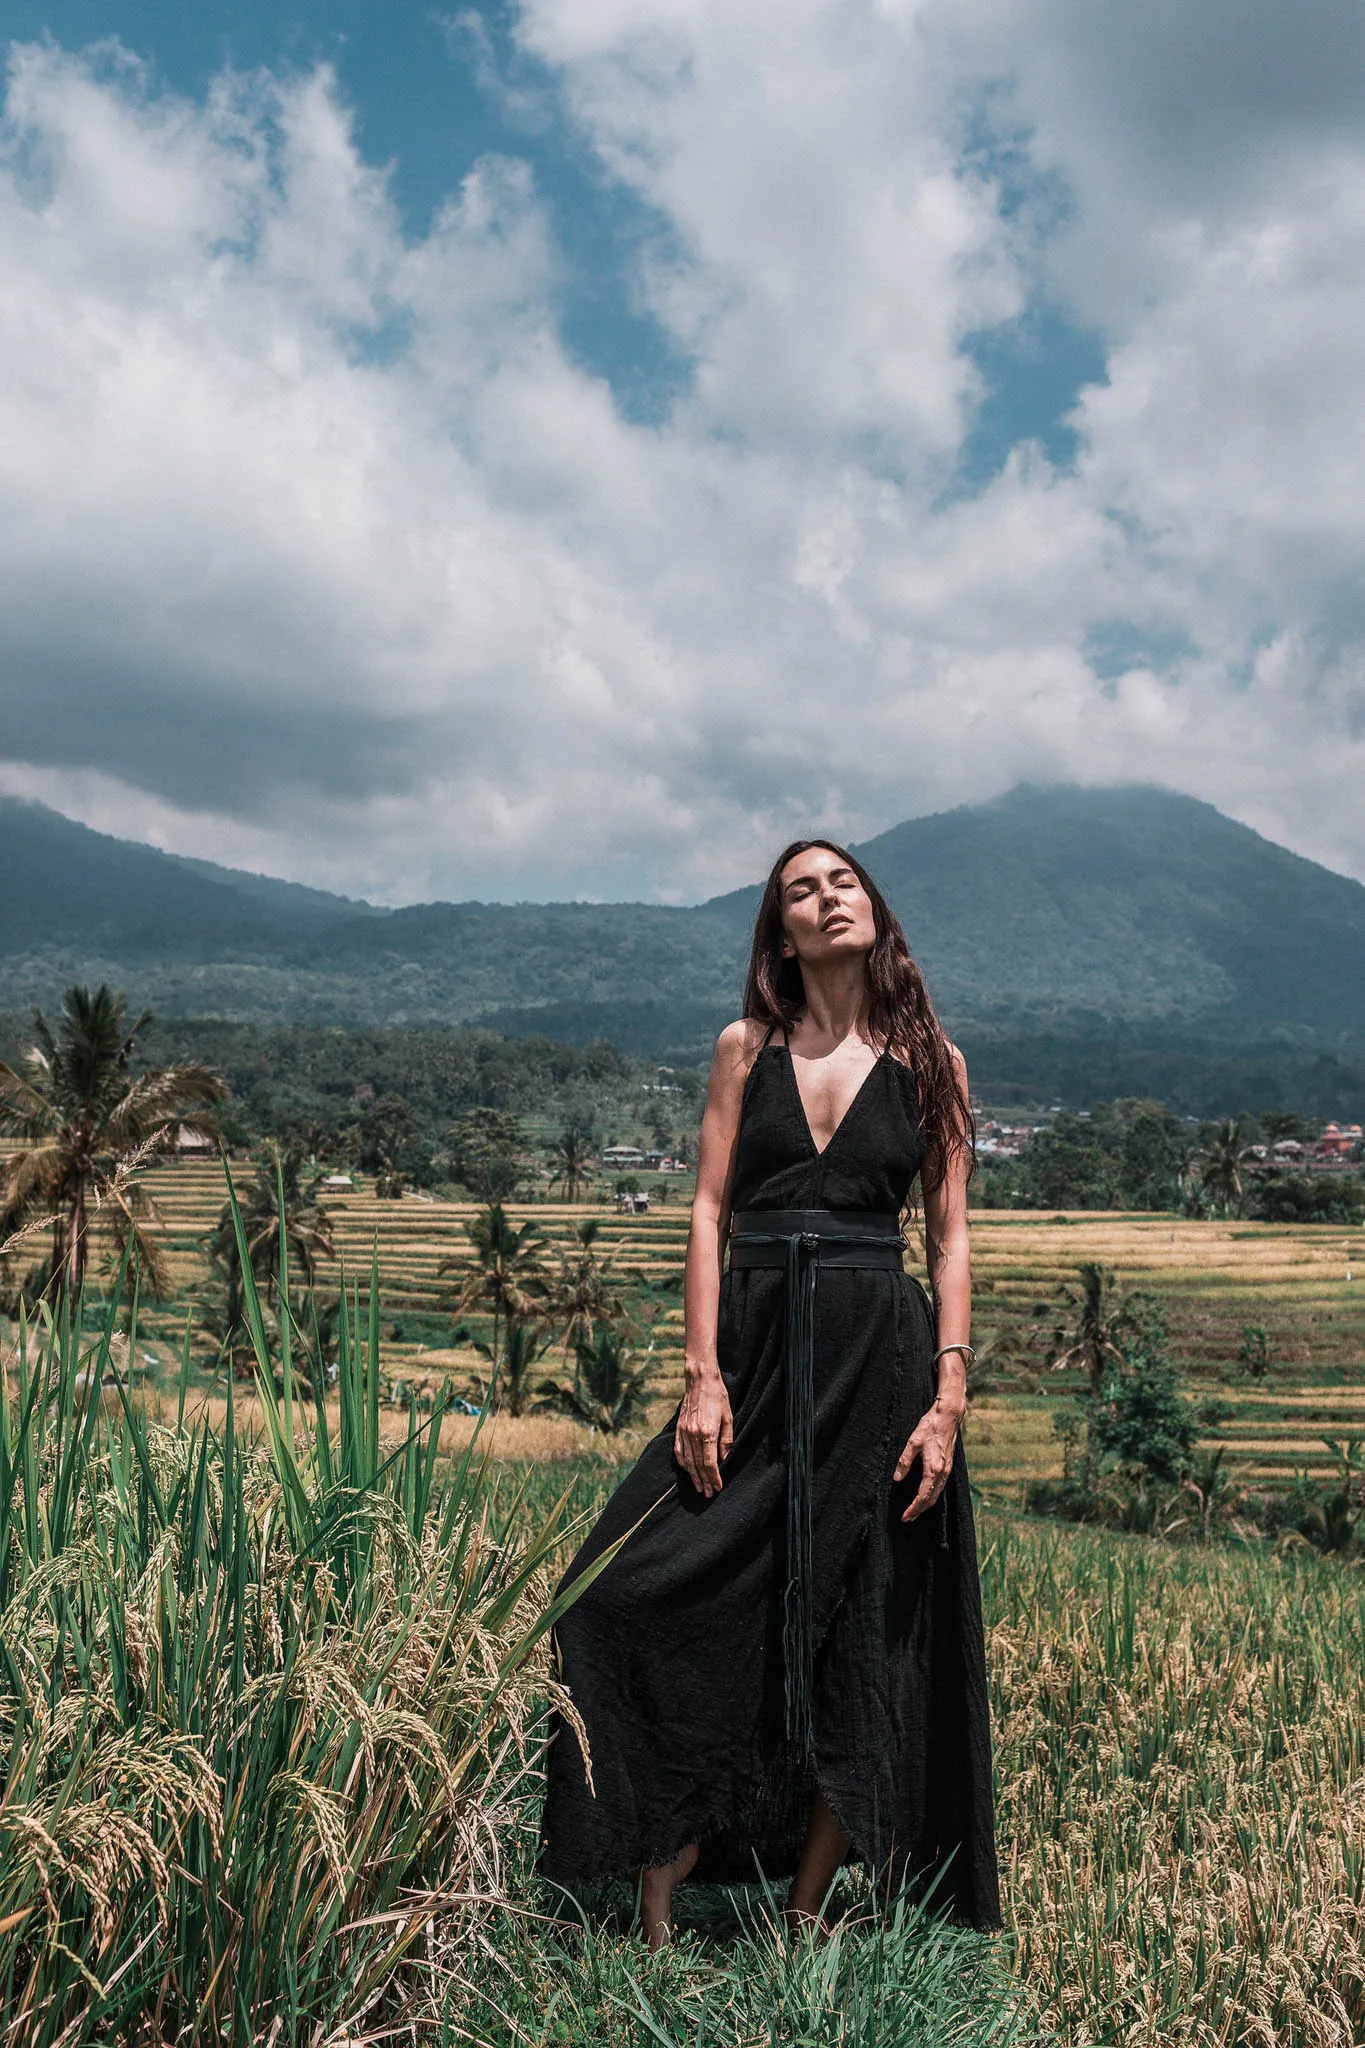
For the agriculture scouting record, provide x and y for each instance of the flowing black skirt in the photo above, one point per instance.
(673, 1655)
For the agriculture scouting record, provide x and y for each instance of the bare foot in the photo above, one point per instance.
(656, 1895)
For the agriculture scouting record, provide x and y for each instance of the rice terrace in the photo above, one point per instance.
(291, 1462)
(274, 1664)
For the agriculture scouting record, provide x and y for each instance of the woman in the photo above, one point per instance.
(783, 1665)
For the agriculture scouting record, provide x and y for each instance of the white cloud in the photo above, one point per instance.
(319, 553)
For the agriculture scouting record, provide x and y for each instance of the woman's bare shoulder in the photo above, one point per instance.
(738, 1045)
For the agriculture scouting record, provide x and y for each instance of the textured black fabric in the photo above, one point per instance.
(673, 1656)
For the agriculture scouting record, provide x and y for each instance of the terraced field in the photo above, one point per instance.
(1304, 1285)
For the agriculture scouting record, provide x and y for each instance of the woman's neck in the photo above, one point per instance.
(836, 1001)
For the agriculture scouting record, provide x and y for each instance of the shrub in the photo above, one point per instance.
(1307, 1198)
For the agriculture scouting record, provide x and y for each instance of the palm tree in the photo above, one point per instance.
(507, 1274)
(571, 1161)
(1221, 1165)
(611, 1388)
(581, 1289)
(512, 1368)
(86, 1122)
(276, 1190)
(1099, 1316)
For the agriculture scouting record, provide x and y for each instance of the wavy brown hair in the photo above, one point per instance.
(900, 1016)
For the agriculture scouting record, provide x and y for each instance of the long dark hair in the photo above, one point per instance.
(900, 1015)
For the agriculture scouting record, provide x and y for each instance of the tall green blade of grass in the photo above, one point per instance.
(253, 1726)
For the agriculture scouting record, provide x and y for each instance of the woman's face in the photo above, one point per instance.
(826, 912)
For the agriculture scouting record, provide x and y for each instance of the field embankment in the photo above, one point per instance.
(1303, 1284)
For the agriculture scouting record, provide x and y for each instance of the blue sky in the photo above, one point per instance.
(431, 94)
(560, 448)
(434, 89)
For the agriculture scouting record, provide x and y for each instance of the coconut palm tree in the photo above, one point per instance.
(612, 1385)
(571, 1162)
(86, 1121)
(276, 1192)
(1221, 1165)
(507, 1273)
(580, 1289)
(1099, 1314)
(522, 1347)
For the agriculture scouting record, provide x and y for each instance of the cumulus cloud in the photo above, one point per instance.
(322, 554)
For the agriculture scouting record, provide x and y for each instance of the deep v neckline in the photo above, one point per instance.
(854, 1100)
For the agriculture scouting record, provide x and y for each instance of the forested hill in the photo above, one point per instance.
(1133, 902)
(1132, 908)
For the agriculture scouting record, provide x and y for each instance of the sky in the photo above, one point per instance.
(566, 448)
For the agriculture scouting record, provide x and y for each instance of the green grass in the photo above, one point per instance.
(269, 1715)
(264, 1706)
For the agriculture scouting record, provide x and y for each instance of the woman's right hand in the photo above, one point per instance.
(705, 1431)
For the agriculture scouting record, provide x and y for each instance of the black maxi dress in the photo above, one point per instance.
(673, 1656)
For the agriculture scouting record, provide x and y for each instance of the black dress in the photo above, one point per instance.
(673, 1656)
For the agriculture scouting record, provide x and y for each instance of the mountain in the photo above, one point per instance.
(1126, 917)
(67, 887)
(1132, 902)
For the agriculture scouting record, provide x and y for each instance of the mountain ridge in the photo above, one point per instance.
(1132, 905)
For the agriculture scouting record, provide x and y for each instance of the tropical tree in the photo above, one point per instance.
(612, 1385)
(86, 1122)
(506, 1277)
(522, 1349)
(1220, 1165)
(571, 1162)
(581, 1288)
(1098, 1316)
(385, 1143)
(275, 1196)
(485, 1148)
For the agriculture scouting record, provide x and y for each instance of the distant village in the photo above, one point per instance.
(1336, 1147)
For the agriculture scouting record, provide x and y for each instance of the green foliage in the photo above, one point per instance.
(903, 1977)
(262, 1702)
(582, 1288)
(613, 1383)
(1099, 1317)
(1220, 1166)
(84, 1121)
(1128, 1154)
(508, 1275)
(386, 1143)
(1135, 1426)
(1308, 1198)
(1255, 1353)
(485, 1153)
(513, 1361)
(1142, 1423)
(277, 1199)
(571, 1162)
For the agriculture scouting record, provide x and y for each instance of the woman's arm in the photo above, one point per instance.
(948, 1248)
(704, 1432)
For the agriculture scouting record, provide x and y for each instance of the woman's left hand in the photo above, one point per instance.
(932, 1441)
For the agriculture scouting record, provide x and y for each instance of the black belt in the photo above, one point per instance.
(803, 1240)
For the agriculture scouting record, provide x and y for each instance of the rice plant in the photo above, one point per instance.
(1180, 1754)
(263, 1703)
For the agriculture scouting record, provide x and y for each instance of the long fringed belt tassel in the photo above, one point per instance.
(801, 1240)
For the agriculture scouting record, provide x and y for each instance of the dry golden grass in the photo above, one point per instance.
(1213, 1278)
(534, 1439)
(1181, 1764)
